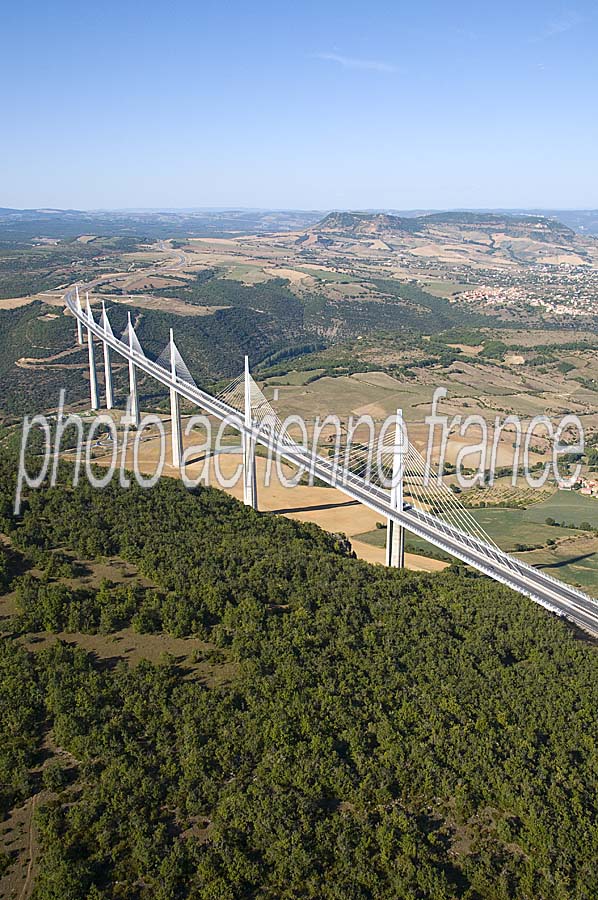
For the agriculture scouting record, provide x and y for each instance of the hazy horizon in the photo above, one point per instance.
(413, 211)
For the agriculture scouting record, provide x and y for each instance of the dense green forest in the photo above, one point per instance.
(382, 734)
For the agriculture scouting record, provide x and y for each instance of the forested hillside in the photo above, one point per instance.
(213, 347)
(39, 356)
(380, 734)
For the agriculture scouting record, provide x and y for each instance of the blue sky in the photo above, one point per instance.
(306, 105)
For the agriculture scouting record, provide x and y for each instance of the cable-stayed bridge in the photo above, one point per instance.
(409, 499)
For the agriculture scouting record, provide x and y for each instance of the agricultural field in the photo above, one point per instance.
(575, 561)
(507, 527)
(566, 507)
(504, 493)
(512, 529)
(568, 553)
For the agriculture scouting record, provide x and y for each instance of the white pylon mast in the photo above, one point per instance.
(79, 327)
(395, 533)
(107, 366)
(175, 413)
(134, 403)
(93, 378)
(249, 479)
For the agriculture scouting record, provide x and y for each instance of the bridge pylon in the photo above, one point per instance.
(395, 533)
(107, 366)
(249, 478)
(175, 412)
(93, 377)
(79, 326)
(134, 400)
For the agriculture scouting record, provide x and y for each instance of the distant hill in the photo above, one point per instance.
(507, 220)
(17, 225)
(366, 223)
(583, 221)
(313, 240)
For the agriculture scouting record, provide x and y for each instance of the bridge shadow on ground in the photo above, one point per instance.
(296, 509)
(565, 562)
(223, 452)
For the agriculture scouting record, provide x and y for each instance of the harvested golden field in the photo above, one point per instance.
(16, 302)
(163, 304)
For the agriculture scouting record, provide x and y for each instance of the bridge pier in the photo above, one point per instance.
(93, 378)
(249, 479)
(395, 545)
(175, 412)
(395, 533)
(134, 401)
(108, 377)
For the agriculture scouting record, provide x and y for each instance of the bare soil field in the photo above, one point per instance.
(164, 304)
(535, 337)
(143, 282)
(379, 395)
(292, 275)
(467, 348)
(16, 302)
